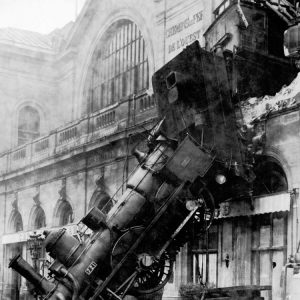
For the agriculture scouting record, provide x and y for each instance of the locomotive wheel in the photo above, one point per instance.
(154, 277)
(150, 274)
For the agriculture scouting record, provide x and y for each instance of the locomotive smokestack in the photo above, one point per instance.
(26, 270)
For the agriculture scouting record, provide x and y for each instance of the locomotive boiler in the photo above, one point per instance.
(195, 159)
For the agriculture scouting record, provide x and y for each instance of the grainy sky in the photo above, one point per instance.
(38, 15)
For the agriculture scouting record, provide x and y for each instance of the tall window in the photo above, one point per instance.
(101, 200)
(270, 177)
(65, 213)
(119, 66)
(28, 124)
(16, 222)
(39, 218)
(205, 253)
(255, 36)
(269, 234)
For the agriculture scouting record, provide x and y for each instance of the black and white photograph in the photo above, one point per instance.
(149, 149)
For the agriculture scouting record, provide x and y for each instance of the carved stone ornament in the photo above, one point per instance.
(63, 191)
(36, 197)
(100, 181)
(15, 201)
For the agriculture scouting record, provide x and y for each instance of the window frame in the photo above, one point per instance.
(123, 64)
(27, 117)
(257, 250)
(207, 254)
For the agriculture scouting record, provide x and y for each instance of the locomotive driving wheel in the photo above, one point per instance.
(153, 274)
(141, 272)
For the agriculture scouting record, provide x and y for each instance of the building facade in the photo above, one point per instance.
(75, 102)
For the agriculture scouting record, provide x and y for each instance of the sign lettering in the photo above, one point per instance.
(184, 32)
(184, 24)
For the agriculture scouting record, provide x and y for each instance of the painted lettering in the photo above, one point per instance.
(172, 47)
(186, 23)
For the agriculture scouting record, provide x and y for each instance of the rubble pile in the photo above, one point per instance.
(256, 108)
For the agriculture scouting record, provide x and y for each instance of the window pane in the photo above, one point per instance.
(255, 268)
(199, 268)
(265, 268)
(208, 240)
(278, 231)
(255, 239)
(212, 276)
(213, 237)
(202, 271)
(28, 124)
(265, 236)
(278, 263)
(65, 214)
(119, 65)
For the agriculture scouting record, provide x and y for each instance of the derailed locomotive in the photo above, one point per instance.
(195, 159)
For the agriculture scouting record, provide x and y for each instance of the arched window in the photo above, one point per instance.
(28, 124)
(119, 66)
(64, 213)
(38, 218)
(270, 177)
(101, 200)
(15, 222)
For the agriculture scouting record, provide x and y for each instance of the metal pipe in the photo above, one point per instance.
(26, 270)
(289, 265)
(73, 281)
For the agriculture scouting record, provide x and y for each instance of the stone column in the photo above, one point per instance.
(24, 291)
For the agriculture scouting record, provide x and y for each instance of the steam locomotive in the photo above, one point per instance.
(195, 159)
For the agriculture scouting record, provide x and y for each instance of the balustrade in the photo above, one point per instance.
(63, 140)
(67, 135)
(146, 102)
(105, 119)
(19, 158)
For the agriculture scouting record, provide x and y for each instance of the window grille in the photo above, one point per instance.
(16, 222)
(119, 66)
(66, 214)
(40, 218)
(28, 125)
(205, 254)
